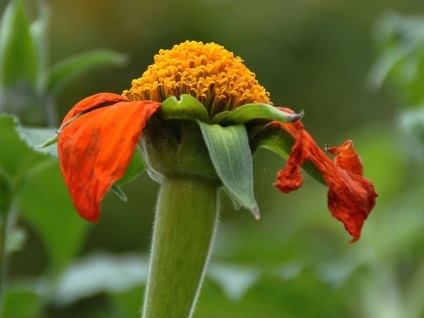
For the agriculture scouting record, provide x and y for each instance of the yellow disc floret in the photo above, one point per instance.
(207, 72)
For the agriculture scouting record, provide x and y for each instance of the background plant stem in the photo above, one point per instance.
(7, 219)
(186, 217)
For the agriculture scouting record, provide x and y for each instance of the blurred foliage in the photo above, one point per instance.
(295, 262)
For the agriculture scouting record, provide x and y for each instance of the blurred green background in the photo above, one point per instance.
(315, 56)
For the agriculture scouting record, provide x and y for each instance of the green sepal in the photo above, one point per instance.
(236, 204)
(18, 55)
(135, 168)
(230, 154)
(187, 107)
(49, 142)
(280, 141)
(118, 191)
(249, 112)
(39, 139)
(66, 70)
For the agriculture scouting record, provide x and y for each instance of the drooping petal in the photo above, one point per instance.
(291, 177)
(351, 197)
(347, 158)
(95, 149)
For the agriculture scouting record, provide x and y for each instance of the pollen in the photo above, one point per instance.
(208, 72)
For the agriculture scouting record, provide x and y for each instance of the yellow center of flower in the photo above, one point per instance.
(207, 72)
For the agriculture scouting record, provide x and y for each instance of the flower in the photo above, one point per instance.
(351, 197)
(99, 135)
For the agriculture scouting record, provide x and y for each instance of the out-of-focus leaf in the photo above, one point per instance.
(412, 123)
(39, 35)
(230, 154)
(101, 273)
(35, 137)
(5, 196)
(18, 56)
(15, 240)
(45, 203)
(42, 197)
(306, 296)
(15, 156)
(128, 302)
(20, 303)
(69, 69)
(234, 280)
(402, 59)
(385, 65)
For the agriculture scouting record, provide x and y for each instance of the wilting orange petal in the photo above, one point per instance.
(351, 197)
(93, 102)
(95, 149)
(347, 158)
(291, 177)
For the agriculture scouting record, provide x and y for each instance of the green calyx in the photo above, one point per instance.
(182, 140)
(175, 148)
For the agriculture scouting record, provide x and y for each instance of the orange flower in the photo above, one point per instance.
(351, 197)
(98, 136)
(96, 149)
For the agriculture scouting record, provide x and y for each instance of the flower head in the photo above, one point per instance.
(208, 72)
(205, 96)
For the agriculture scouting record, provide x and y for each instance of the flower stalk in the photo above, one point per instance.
(186, 219)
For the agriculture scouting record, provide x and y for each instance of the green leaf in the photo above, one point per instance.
(187, 107)
(16, 158)
(45, 203)
(36, 139)
(39, 33)
(18, 55)
(230, 154)
(105, 272)
(234, 280)
(69, 69)
(5, 196)
(41, 194)
(249, 112)
(21, 302)
(402, 57)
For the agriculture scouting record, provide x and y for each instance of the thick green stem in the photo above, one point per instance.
(186, 217)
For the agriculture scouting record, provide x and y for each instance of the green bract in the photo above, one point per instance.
(228, 147)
